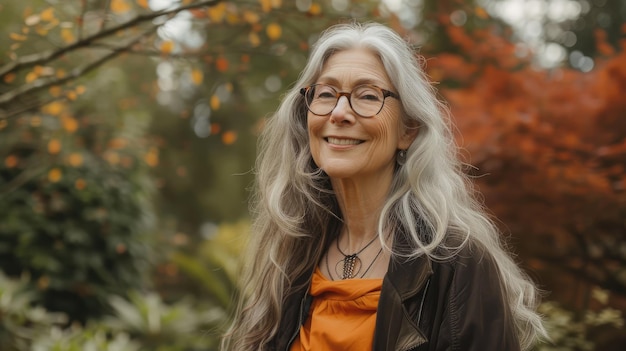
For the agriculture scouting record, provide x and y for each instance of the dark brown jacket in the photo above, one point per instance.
(428, 306)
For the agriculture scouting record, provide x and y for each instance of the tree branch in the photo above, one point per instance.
(74, 74)
(45, 57)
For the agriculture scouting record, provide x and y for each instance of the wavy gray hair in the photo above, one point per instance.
(295, 212)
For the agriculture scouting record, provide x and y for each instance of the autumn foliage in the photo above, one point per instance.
(93, 133)
(549, 147)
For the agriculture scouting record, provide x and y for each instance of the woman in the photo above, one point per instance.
(366, 232)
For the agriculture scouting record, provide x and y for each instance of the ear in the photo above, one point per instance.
(408, 134)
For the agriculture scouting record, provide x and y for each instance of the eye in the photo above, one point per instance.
(367, 93)
(324, 92)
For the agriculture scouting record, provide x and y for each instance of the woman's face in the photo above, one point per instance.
(345, 145)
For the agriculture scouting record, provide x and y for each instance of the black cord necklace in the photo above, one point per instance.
(352, 263)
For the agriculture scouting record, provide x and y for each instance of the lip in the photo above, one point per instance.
(342, 142)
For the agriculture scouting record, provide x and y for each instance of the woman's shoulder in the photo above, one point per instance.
(468, 260)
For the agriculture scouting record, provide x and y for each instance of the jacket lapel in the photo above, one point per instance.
(400, 304)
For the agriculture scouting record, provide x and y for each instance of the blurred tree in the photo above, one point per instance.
(79, 134)
(254, 51)
(594, 32)
(549, 147)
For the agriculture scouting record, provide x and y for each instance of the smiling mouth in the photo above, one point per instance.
(338, 141)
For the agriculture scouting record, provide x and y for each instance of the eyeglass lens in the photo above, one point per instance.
(365, 100)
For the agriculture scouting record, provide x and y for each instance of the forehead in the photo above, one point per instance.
(348, 68)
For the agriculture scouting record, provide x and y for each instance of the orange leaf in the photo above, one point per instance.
(54, 108)
(167, 47)
(251, 17)
(221, 64)
(113, 158)
(152, 157)
(215, 102)
(118, 143)
(17, 37)
(70, 124)
(217, 13)
(11, 161)
(266, 5)
(9, 78)
(75, 159)
(54, 175)
(315, 9)
(254, 39)
(481, 12)
(143, 3)
(67, 35)
(198, 13)
(39, 70)
(274, 31)
(197, 76)
(232, 18)
(47, 14)
(55, 91)
(80, 90)
(119, 6)
(229, 137)
(54, 146)
(215, 128)
(3, 123)
(80, 184)
(41, 31)
(31, 77)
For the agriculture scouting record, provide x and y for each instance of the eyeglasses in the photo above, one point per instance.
(365, 100)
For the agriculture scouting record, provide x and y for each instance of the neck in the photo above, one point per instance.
(361, 203)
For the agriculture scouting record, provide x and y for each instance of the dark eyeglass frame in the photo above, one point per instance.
(348, 95)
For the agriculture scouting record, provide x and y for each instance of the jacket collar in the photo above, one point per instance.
(408, 276)
(400, 303)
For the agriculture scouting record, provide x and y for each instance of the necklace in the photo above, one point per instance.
(352, 263)
(330, 275)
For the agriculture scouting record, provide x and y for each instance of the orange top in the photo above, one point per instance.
(342, 316)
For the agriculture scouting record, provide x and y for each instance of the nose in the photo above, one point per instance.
(342, 113)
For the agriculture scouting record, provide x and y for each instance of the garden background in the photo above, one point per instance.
(127, 142)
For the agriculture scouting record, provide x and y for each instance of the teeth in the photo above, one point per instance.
(343, 141)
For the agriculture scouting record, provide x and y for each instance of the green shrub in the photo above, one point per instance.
(73, 209)
(142, 323)
(20, 321)
(570, 331)
(181, 326)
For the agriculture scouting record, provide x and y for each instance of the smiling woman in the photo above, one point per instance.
(367, 235)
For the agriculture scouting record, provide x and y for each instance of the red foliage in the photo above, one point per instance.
(550, 146)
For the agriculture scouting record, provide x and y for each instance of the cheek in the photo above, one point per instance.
(386, 129)
(313, 127)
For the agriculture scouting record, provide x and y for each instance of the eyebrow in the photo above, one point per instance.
(369, 81)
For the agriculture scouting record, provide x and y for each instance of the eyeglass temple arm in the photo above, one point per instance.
(387, 93)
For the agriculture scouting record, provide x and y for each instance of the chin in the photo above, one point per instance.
(338, 172)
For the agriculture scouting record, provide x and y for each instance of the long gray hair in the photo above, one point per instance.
(295, 211)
